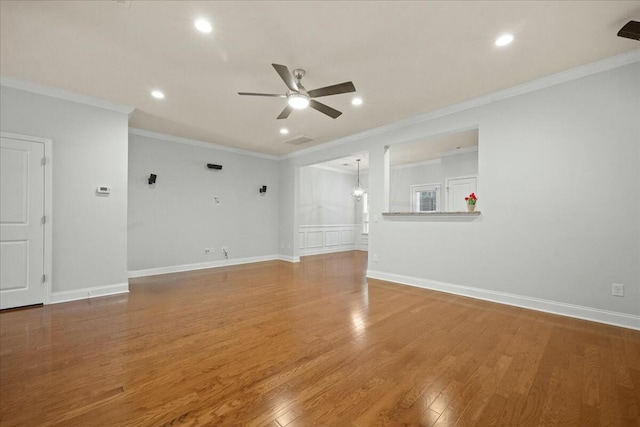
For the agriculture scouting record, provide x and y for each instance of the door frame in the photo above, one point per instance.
(48, 207)
(453, 179)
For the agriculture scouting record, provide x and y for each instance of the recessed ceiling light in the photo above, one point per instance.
(203, 25)
(504, 40)
(284, 131)
(157, 94)
(356, 101)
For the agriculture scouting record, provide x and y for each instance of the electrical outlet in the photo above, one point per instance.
(375, 257)
(617, 290)
(216, 200)
(209, 251)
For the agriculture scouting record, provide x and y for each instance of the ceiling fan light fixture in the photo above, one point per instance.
(356, 101)
(298, 101)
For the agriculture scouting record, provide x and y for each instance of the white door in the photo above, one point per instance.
(457, 190)
(21, 223)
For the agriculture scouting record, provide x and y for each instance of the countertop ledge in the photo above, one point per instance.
(432, 216)
(427, 214)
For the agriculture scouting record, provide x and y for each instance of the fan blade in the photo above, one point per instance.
(286, 76)
(262, 94)
(324, 109)
(285, 113)
(345, 87)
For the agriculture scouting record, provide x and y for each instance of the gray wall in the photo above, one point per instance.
(557, 169)
(89, 150)
(171, 222)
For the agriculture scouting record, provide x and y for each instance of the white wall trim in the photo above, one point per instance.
(289, 258)
(97, 291)
(64, 94)
(322, 239)
(196, 143)
(330, 250)
(200, 266)
(332, 169)
(570, 310)
(455, 152)
(416, 164)
(330, 225)
(544, 82)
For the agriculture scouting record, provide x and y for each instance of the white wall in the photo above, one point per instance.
(325, 197)
(558, 168)
(89, 150)
(330, 218)
(171, 222)
(451, 166)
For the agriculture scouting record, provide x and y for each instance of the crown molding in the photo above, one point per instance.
(416, 164)
(197, 143)
(541, 83)
(459, 151)
(65, 95)
(331, 169)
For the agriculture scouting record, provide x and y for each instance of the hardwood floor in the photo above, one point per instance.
(280, 344)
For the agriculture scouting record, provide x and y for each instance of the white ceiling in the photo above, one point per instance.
(418, 151)
(405, 58)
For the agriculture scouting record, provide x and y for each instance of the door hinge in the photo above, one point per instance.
(43, 161)
(44, 278)
(44, 219)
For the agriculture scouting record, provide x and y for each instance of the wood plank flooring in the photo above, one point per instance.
(310, 344)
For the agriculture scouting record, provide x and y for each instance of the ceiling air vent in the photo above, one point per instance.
(299, 140)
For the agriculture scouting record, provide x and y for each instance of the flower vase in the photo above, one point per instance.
(471, 208)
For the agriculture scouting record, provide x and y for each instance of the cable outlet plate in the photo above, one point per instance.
(617, 290)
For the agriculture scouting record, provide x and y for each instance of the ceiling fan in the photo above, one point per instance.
(299, 98)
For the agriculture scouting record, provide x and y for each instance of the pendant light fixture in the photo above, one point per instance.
(358, 191)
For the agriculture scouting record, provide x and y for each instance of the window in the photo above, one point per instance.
(425, 198)
(365, 213)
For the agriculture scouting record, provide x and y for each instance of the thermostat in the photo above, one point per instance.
(103, 190)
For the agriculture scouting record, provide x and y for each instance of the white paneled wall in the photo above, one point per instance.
(319, 239)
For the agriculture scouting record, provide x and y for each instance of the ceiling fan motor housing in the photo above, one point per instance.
(299, 73)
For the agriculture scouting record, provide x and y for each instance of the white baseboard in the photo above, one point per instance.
(200, 266)
(97, 291)
(289, 258)
(327, 250)
(580, 312)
